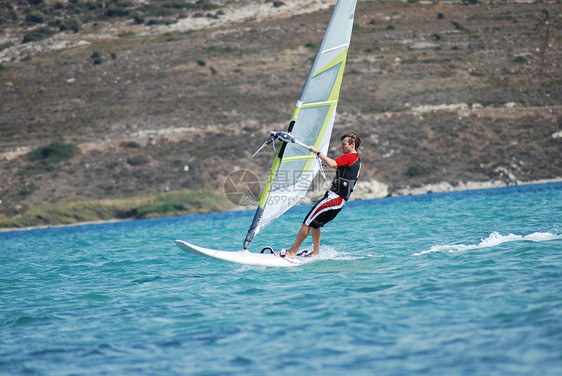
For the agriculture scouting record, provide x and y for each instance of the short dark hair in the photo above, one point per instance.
(353, 137)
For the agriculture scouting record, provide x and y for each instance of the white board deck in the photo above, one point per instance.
(241, 257)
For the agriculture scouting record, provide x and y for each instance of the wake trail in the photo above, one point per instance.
(494, 239)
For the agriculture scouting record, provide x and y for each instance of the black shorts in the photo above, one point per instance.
(325, 210)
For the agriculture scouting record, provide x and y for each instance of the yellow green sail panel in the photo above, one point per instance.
(311, 123)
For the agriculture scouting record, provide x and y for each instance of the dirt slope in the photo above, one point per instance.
(439, 92)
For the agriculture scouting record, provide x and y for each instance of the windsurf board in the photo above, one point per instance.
(243, 257)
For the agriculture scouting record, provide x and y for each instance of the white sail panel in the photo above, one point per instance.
(294, 167)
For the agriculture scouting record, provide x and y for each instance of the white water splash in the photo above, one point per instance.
(329, 253)
(495, 238)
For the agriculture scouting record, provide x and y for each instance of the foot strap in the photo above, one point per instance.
(305, 253)
(267, 249)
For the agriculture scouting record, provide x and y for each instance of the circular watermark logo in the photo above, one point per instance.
(242, 188)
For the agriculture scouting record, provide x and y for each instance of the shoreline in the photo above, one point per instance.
(444, 187)
(369, 190)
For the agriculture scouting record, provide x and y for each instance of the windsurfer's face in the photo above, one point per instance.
(346, 146)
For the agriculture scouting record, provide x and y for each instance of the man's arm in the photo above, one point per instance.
(327, 160)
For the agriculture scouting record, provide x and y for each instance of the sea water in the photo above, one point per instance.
(465, 283)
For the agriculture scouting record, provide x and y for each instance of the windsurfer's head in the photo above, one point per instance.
(352, 138)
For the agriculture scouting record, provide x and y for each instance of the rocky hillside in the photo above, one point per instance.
(114, 99)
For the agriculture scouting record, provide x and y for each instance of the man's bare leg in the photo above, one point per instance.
(316, 241)
(302, 234)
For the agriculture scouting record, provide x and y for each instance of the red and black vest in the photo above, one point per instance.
(346, 175)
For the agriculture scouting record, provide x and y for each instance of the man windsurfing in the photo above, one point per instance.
(348, 167)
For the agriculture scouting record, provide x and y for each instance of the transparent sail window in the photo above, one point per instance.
(321, 85)
(313, 118)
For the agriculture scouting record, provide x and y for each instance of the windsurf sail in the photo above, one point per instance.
(294, 167)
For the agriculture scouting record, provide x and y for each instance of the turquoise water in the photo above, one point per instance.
(466, 283)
